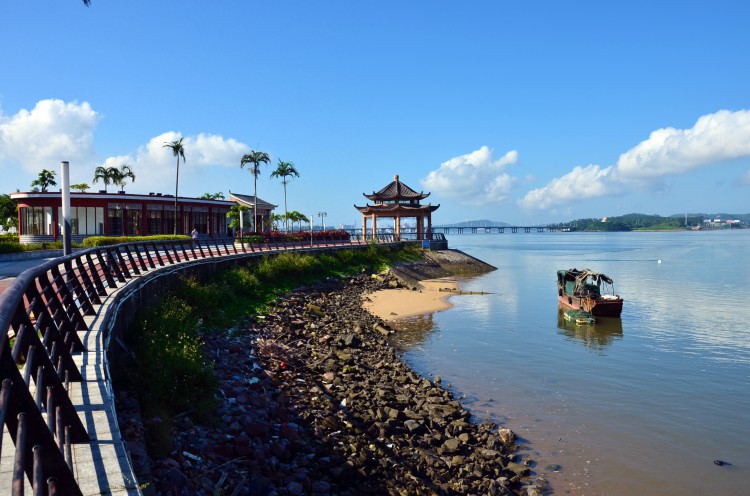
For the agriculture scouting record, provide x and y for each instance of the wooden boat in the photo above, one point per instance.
(587, 290)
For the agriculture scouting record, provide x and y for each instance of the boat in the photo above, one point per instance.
(588, 290)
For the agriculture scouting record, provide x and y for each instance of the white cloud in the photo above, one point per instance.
(714, 138)
(474, 178)
(52, 131)
(154, 165)
(580, 183)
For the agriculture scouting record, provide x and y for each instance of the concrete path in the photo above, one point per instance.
(9, 270)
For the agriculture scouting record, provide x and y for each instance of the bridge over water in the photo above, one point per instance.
(411, 233)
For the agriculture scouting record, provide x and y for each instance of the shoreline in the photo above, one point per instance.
(316, 401)
(395, 304)
(423, 287)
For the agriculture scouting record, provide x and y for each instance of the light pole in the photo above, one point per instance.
(311, 230)
(322, 216)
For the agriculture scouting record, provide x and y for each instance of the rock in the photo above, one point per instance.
(451, 445)
(507, 436)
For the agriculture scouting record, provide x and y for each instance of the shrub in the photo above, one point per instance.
(94, 241)
(172, 371)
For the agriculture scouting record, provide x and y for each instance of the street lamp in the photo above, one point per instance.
(322, 216)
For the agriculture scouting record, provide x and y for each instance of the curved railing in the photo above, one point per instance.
(41, 314)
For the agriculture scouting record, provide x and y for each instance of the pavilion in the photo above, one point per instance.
(263, 208)
(398, 201)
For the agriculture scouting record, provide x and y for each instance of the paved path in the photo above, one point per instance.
(10, 270)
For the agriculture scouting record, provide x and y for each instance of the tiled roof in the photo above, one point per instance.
(392, 208)
(249, 200)
(396, 190)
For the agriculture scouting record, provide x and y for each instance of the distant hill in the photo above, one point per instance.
(627, 222)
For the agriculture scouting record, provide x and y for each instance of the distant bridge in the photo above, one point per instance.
(411, 232)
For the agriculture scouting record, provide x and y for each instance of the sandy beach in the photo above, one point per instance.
(395, 304)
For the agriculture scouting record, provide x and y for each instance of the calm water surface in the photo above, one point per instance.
(638, 405)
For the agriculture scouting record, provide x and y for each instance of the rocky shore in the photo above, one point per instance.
(316, 402)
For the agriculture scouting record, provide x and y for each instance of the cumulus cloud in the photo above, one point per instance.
(52, 131)
(714, 138)
(582, 182)
(154, 165)
(474, 178)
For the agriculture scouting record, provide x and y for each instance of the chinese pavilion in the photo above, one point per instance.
(398, 201)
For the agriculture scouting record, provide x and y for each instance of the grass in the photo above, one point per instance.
(173, 375)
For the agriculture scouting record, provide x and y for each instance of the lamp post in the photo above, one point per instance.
(322, 216)
(65, 174)
(311, 230)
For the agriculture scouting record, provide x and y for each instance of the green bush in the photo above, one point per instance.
(94, 241)
(172, 370)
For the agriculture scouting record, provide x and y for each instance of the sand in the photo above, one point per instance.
(395, 304)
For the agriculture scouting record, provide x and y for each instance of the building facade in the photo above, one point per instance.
(117, 214)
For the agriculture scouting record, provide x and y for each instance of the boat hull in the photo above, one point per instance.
(600, 307)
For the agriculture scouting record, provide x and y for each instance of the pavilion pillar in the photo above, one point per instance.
(420, 227)
(364, 226)
(429, 226)
(374, 226)
(398, 226)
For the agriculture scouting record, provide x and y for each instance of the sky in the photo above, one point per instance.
(520, 112)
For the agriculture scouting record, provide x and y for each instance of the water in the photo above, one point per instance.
(638, 405)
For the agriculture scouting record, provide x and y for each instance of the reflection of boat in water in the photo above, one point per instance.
(579, 317)
(598, 336)
(588, 290)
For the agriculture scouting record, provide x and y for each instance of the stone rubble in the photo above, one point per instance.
(316, 402)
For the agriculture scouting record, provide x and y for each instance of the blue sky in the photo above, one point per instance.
(523, 112)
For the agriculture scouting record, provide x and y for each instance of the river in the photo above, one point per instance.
(639, 405)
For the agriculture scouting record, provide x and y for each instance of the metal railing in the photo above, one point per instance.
(41, 314)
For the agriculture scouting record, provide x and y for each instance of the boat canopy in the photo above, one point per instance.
(584, 276)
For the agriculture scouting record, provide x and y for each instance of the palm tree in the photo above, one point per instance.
(256, 158)
(179, 151)
(284, 170)
(275, 219)
(296, 216)
(124, 172)
(80, 187)
(45, 179)
(213, 196)
(106, 174)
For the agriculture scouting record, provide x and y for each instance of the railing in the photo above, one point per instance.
(41, 314)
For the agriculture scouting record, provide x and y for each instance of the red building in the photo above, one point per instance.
(117, 214)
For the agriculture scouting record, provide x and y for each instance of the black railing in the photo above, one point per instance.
(41, 314)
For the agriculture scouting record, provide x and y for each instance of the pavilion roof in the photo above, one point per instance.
(250, 200)
(396, 190)
(392, 208)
